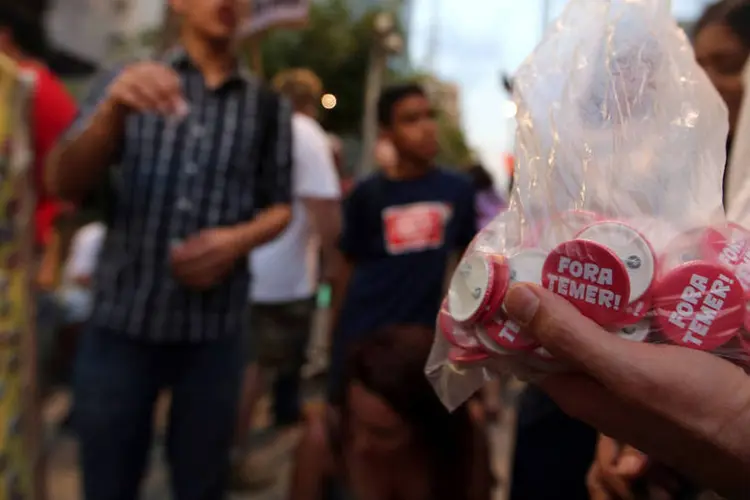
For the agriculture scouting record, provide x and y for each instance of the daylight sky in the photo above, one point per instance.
(479, 39)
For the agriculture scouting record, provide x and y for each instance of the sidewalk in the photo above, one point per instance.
(63, 475)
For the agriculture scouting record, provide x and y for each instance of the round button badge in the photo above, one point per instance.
(591, 277)
(489, 345)
(507, 334)
(453, 332)
(478, 287)
(728, 244)
(631, 247)
(699, 305)
(636, 312)
(525, 267)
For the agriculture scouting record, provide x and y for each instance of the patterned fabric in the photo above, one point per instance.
(227, 159)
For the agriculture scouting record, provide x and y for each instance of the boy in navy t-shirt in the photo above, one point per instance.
(401, 229)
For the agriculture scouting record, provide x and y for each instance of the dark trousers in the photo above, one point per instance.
(287, 398)
(117, 381)
(278, 338)
(553, 451)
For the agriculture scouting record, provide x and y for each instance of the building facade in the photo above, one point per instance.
(92, 30)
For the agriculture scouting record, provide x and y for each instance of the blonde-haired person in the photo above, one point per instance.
(285, 274)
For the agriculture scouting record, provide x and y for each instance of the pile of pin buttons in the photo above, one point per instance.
(646, 285)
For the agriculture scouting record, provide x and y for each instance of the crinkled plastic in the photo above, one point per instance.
(620, 150)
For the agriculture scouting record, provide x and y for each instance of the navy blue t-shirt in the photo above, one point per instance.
(400, 235)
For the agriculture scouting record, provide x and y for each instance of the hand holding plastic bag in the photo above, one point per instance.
(617, 204)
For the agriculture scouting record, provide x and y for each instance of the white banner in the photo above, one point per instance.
(268, 14)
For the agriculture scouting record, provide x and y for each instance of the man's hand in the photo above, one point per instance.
(614, 469)
(148, 87)
(685, 408)
(204, 260)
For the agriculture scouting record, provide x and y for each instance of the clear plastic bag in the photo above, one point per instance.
(620, 150)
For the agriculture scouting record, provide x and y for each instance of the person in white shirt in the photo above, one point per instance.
(74, 294)
(285, 272)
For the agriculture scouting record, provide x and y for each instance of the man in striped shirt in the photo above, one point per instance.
(201, 176)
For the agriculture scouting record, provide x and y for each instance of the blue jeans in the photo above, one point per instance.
(117, 381)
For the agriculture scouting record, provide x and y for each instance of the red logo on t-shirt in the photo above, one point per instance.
(415, 227)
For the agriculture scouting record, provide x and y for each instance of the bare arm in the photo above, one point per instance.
(325, 215)
(95, 138)
(264, 227)
(482, 479)
(343, 269)
(312, 462)
(47, 276)
(75, 166)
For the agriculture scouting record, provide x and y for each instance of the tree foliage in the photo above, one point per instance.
(336, 47)
(454, 151)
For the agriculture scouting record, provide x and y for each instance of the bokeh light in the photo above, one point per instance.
(328, 101)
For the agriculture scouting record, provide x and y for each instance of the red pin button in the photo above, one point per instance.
(456, 334)
(478, 287)
(507, 334)
(699, 305)
(636, 312)
(591, 277)
(488, 345)
(525, 266)
(727, 245)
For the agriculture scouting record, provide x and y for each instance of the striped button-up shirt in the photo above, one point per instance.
(227, 159)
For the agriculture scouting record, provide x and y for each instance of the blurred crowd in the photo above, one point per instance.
(193, 223)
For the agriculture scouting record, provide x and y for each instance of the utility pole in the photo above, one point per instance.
(387, 41)
(545, 14)
(433, 43)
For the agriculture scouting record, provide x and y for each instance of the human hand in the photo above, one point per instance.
(685, 408)
(614, 469)
(148, 87)
(204, 260)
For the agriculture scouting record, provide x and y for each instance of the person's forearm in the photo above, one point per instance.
(266, 226)
(326, 219)
(342, 275)
(75, 166)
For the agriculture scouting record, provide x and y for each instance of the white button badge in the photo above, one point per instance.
(477, 287)
(631, 247)
(636, 333)
(525, 266)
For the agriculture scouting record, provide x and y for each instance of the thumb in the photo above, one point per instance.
(565, 332)
(632, 464)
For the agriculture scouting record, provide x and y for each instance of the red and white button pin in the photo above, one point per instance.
(700, 305)
(591, 277)
(478, 287)
(456, 334)
(730, 246)
(525, 266)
